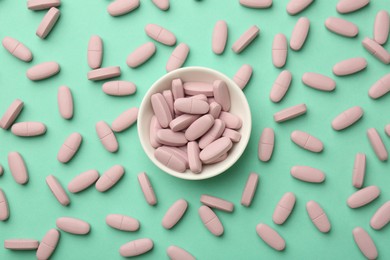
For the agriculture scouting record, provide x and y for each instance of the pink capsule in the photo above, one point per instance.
(177, 89)
(125, 120)
(136, 247)
(121, 7)
(43, 71)
(95, 52)
(170, 159)
(365, 243)
(161, 109)
(48, 244)
(377, 50)
(217, 203)
(318, 81)
(69, 148)
(194, 161)
(279, 50)
(221, 94)
(11, 114)
(290, 113)
(284, 208)
(197, 87)
(28, 129)
(245, 39)
(147, 189)
(182, 122)
(161, 4)
(154, 127)
(381, 27)
(177, 253)
(38, 5)
(349, 66)
(266, 144)
(178, 57)
(119, 88)
(348, 6)
(57, 190)
(377, 144)
(160, 34)
(217, 159)
(213, 134)
(181, 153)
(256, 3)
(73, 225)
(122, 222)
(318, 216)
(4, 208)
(280, 86)
(359, 170)
(307, 141)
(232, 134)
(17, 49)
(231, 121)
(65, 102)
(17, 167)
(215, 149)
(107, 137)
(250, 189)
(299, 33)
(199, 127)
(48, 22)
(104, 73)
(270, 237)
(174, 214)
(296, 6)
(219, 38)
(363, 197)
(191, 106)
(21, 244)
(347, 118)
(140, 55)
(341, 27)
(83, 181)
(110, 178)
(243, 75)
(381, 217)
(380, 88)
(211, 221)
(307, 174)
(171, 138)
(215, 109)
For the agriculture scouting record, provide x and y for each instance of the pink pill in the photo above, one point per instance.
(48, 22)
(161, 109)
(4, 208)
(249, 189)
(125, 120)
(307, 174)
(177, 253)
(11, 114)
(196, 87)
(171, 138)
(381, 27)
(243, 75)
(349, 66)
(174, 214)
(119, 88)
(147, 189)
(380, 88)
(57, 190)
(347, 118)
(219, 38)
(122, 222)
(110, 178)
(377, 144)
(270, 237)
(199, 127)
(217, 203)
(231, 121)
(43, 71)
(290, 113)
(17, 167)
(359, 170)
(213, 134)
(177, 89)
(381, 217)
(95, 52)
(363, 197)
(341, 27)
(318, 81)
(107, 137)
(154, 127)
(170, 159)
(266, 144)
(191, 106)
(233, 135)
(121, 7)
(256, 3)
(221, 94)
(21, 244)
(136, 247)
(83, 181)
(48, 244)
(69, 148)
(169, 99)
(73, 225)
(17, 49)
(104, 73)
(182, 122)
(177, 152)
(160, 34)
(365, 243)
(215, 149)
(140, 55)
(284, 208)
(178, 57)
(194, 161)
(296, 6)
(377, 50)
(217, 159)
(299, 33)
(65, 102)
(307, 141)
(37, 5)
(318, 216)
(211, 221)
(245, 39)
(348, 6)
(279, 50)
(161, 4)
(280, 86)
(28, 129)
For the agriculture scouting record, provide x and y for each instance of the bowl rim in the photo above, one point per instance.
(164, 168)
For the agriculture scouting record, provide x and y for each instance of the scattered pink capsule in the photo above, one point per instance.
(307, 174)
(299, 33)
(21, 244)
(65, 102)
(37, 5)
(318, 81)
(243, 75)
(4, 208)
(11, 114)
(140, 55)
(199, 127)
(119, 88)
(279, 50)
(381, 217)
(217, 203)
(215, 149)
(348, 6)
(48, 244)
(266, 144)
(136, 247)
(377, 50)
(211, 221)
(377, 144)
(57, 190)
(341, 27)
(110, 178)
(380, 88)
(232, 134)
(17, 49)
(349, 66)
(194, 161)
(249, 189)
(381, 27)
(161, 4)
(160, 34)
(121, 7)
(296, 6)
(280, 86)
(69, 148)
(222, 94)
(28, 129)
(170, 159)
(290, 113)
(365, 243)
(284, 208)
(43, 71)
(174, 214)
(83, 181)
(104, 73)
(256, 3)
(122, 222)
(245, 39)
(107, 137)
(219, 38)
(125, 120)
(318, 216)
(17, 167)
(95, 52)
(197, 87)
(73, 225)
(48, 22)
(177, 253)
(347, 118)
(270, 237)
(359, 170)
(178, 57)
(363, 197)
(213, 134)
(307, 141)
(147, 189)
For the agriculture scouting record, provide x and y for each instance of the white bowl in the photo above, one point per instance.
(239, 107)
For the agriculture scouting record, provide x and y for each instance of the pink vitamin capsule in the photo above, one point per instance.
(215, 109)
(161, 109)
(122, 222)
(217, 159)
(381, 27)
(299, 33)
(83, 181)
(245, 39)
(104, 73)
(119, 88)
(359, 170)
(28, 129)
(196, 87)
(381, 217)
(4, 208)
(38, 5)
(110, 178)
(306, 141)
(318, 81)
(48, 244)
(219, 38)
(191, 106)
(171, 138)
(231, 121)
(290, 113)
(177, 152)
(125, 120)
(57, 190)
(221, 94)
(307, 174)
(177, 89)
(347, 118)
(348, 6)
(73, 225)
(318, 216)
(365, 243)
(217, 203)
(377, 144)
(177, 253)
(174, 214)
(296, 6)
(284, 208)
(280, 86)
(65, 102)
(107, 137)
(211, 221)
(182, 122)
(279, 50)
(194, 161)
(136, 247)
(213, 134)
(121, 7)
(363, 197)
(168, 96)
(147, 189)
(140, 55)
(17, 167)
(270, 237)
(178, 57)
(11, 114)
(266, 144)
(170, 159)
(341, 27)
(17, 49)
(48, 22)
(380, 88)
(95, 52)
(154, 127)
(21, 244)
(243, 75)
(233, 135)
(250, 189)
(349, 66)
(43, 71)
(256, 3)
(199, 127)
(215, 149)
(160, 34)
(161, 4)
(69, 148)
(387, 129)
(377, 50)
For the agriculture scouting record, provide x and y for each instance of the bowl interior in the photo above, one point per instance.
(239, 107)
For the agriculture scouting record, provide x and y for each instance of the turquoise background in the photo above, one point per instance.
(34, 209)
